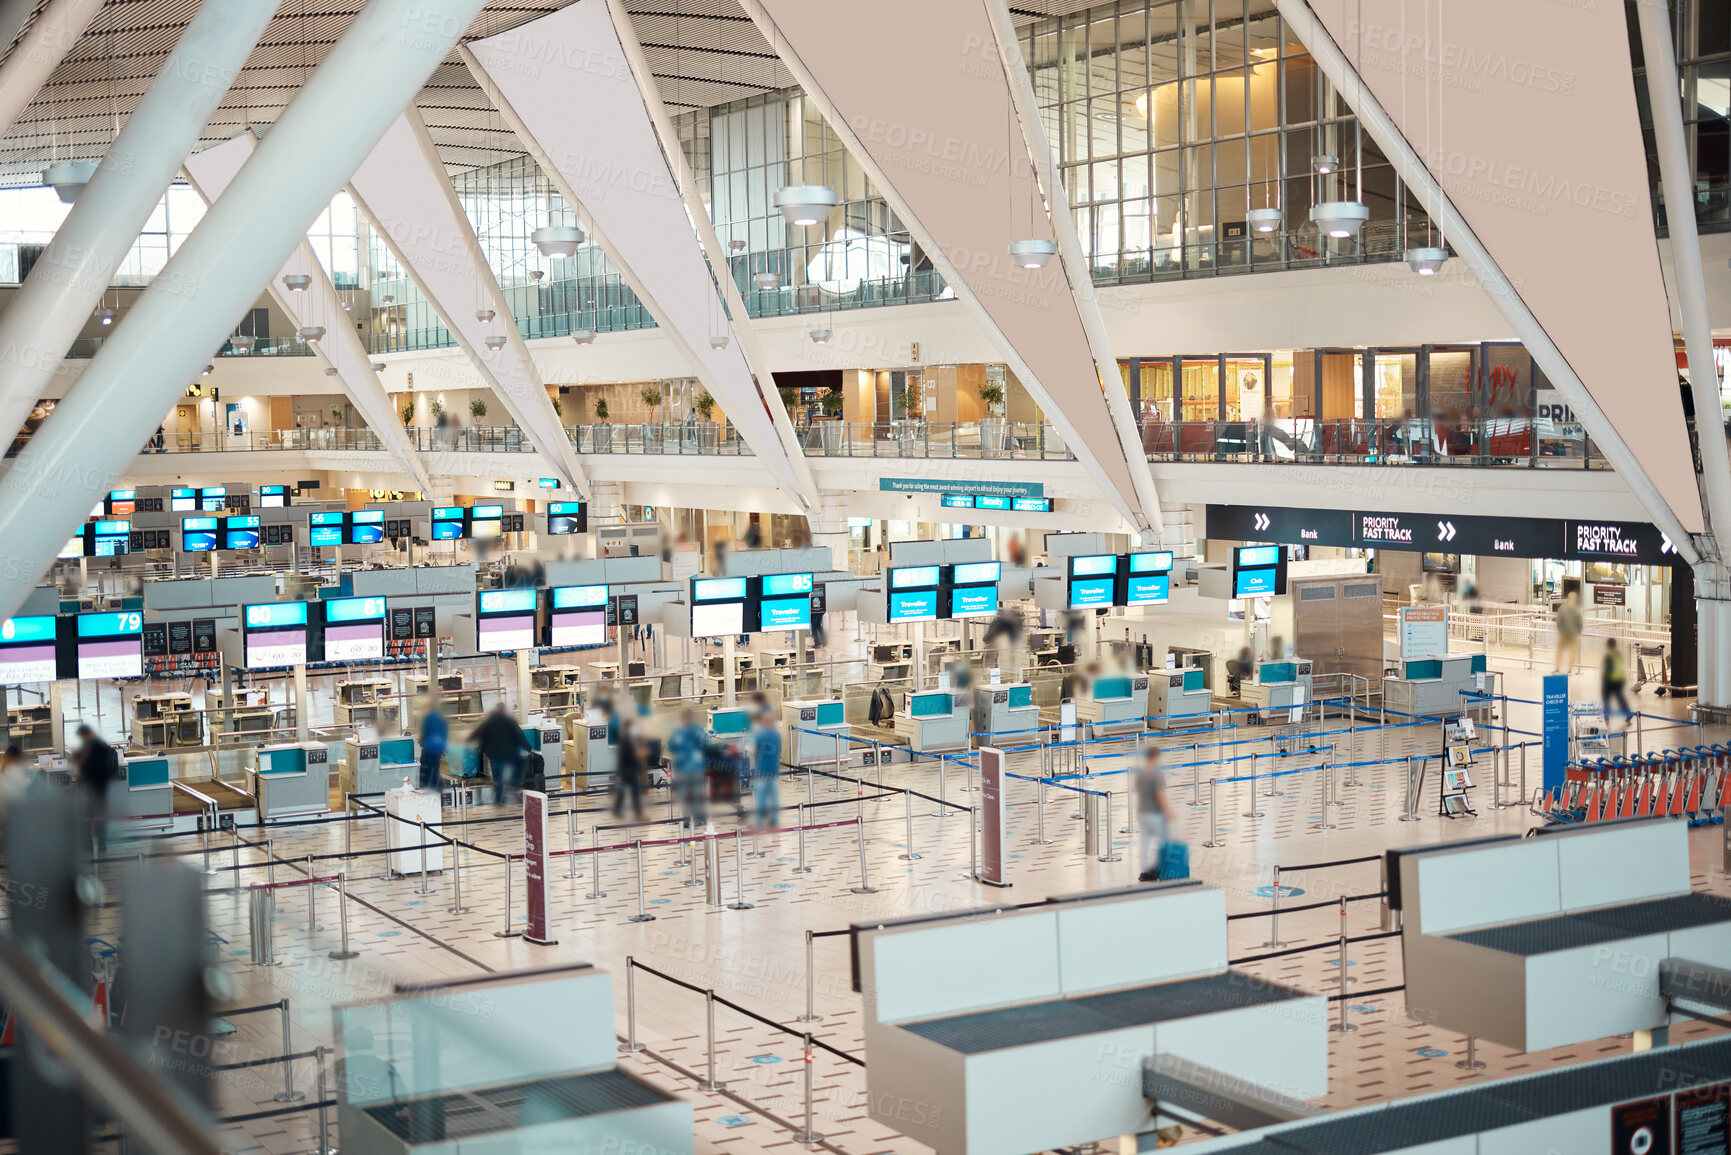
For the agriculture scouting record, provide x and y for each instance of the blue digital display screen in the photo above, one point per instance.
(1032, 504)
(326, 517)
(781, 584)
(188, 524)
(240, 539)
(1093, 565)
(986, 501)
(717, 589)
(325, 535)
(784, 613)
(111, 528)
(970, 601)
(1255, 583)
(356, 609)
(1148, 590)
(448, 513)
(1090, 592)
(1158, 562)
(486, 512)
(913, 606)
(976, 573)
(577, 597)
(36, 628)
(913, 577)
(508, 601)
(272, 614)
(444, 531)
(1248, 556)
(367, 517)
(241, 523)
(366, 534)
(110, 625)
(956, 501)
(198, 541)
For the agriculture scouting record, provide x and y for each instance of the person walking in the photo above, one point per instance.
(1613, 675)
(502, 742)
(628, 775)
(1570, 623)
(1153, 814)
(766, 770)
(98, 766)
(688, 746)
(435, 736)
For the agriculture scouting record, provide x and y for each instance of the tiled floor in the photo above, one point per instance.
(756, 957)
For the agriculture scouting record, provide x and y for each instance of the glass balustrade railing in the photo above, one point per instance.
(1514, 442)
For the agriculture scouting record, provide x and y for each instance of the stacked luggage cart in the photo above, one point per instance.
(1687, 782)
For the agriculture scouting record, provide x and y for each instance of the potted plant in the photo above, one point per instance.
(558, 409)
(833, 430)
(994, 429)
(651, 398)
(408, 416)
(436, 408)
(603, 432)
(704, 406)
(477, 409)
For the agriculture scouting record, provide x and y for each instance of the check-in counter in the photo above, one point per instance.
(1553, 940)
(1436, 687)
(1116, 705)
(544, 739)
(931, 721)
(1179, 699)
(166, 721)
(1050, 1052)
(143, 791)
(380, 765)
(368, 702)
(406, 807)
(589, 758)
(1008, 709)
(291, 778)
(814, 730)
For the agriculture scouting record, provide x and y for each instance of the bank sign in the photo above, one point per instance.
(1528, 537)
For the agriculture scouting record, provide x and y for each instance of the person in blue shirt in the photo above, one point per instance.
(688, 745)
(435, 734)
(766, 768)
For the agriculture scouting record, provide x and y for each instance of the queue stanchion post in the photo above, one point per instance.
(865, 883)
(312, 899)
(288, 1094)
(1107, 854)
(595, 890)
(343, 951)
(348, 825)
(1274, 942)
(424, 836)
(571, 841)
(1341, 1026)
(1472, 1062)
(811, 1015)
(803, 867)
(709, 1009)
(641, 915)
(325, 1147)
(457, 906)
(908, 806)
(1213, 821)
(1196, 802)
(632, 1046)
(738, 902)
(807, 1134)
(1253, 812)
(508, 932)
(1040, 838)
(1271, 792)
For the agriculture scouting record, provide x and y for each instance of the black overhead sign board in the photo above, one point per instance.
(1537, 537)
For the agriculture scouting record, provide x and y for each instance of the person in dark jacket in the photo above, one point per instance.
(502, 743)
(98, 766)
(628, 774)
(435, 735)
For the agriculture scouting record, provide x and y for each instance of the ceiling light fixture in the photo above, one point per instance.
(819, 336)
(767, 280)
(484, 315)
(1426, 261)
(387, 299)
(105, 315)
(1266, 220)
(803, 205)
(496, 342)
(557, 240)
(67, 178)
(583, 336)
(1339, 219)
(1033, 253)
(297, 282)
(311, 334)
(242, 342)
(719, 341)
(1324, 163)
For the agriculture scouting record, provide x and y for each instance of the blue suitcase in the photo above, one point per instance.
(1174, 861)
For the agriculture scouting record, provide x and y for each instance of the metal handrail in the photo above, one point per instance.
(158, 1114)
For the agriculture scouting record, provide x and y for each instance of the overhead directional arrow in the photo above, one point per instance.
(1261, 521)
(1445, 531)
(1665, 545)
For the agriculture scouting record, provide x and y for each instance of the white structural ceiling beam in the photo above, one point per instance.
(613, 170)
(946, 154)
(1534, 165)
(1677, 175)
(403, 190)
(51, 307)
(210, 172)
(35, 57)
(218, 272)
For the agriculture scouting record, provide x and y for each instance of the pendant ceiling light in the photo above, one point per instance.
(387, 299)
(311, 334)
(67, 178)
(736, 246)
(1426, 261)
(1324, 163)
(330, 370)
(1265, 220)
(719, 341)
(537, 274)
(105, 315)
(496, 342)
(378, 366)
(205, 372)
(484, 315)
(242, 342)
(583, 336)
(557, 240)
(819, 336)
(297, 282)
(1341, 220)
(767, 280)
(1033, 254)
(804, 205)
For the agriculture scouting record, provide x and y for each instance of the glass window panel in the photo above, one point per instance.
(1163, 44)
(1712, 27)
(1196, 121)
(1264, 97)
(1194, 57)
(1199, 167)
(1106, 181)
(1166, 167)
(1166, 108)
(1138, 225)
(1229, 103)
(1298, 88)
(1103, 56)
(1228, 34)
(1107, 237)
(1103, 125)
(1712, 89)
(1133, 175)
(1076, 131)
(1133, 122)
(1229, 162)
